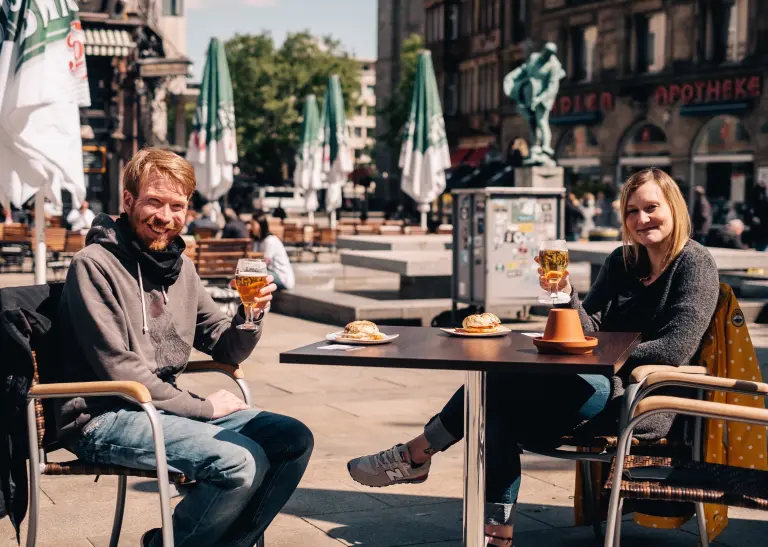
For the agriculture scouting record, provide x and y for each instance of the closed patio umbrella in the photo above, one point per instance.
(337, 154)
(43, 83)
(309, 157)
(424, 156)
(212, 148)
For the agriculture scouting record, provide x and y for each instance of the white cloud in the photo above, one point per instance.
(205, 4)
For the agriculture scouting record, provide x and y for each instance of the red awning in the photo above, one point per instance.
(477, 156)
(459, 155)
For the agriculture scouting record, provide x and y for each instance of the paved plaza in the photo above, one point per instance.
(353, 412)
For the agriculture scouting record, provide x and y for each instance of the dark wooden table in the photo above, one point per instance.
(430, 348)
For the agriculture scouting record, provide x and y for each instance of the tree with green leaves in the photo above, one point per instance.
(398, 107)
(269, 84)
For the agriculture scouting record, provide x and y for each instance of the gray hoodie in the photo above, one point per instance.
(117, 325)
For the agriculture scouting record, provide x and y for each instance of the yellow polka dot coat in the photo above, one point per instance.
(727, 352)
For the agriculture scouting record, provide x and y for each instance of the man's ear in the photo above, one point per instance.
(128, 200)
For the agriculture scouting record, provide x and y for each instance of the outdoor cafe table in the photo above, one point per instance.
(430, 348)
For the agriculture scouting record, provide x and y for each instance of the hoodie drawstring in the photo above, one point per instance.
(144, 327)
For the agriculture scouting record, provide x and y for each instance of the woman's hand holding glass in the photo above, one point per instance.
(564, 285)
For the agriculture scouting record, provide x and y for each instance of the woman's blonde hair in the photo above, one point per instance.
(681, 221)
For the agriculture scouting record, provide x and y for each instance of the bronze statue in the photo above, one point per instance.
(534, 86)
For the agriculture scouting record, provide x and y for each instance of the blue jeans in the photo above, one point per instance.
(520, 409)
(246, 466)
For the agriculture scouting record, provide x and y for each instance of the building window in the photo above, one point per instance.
(650, 36)
(583, 53)
(488, 86)
(466, 17)
(468, 92)
(519, 20)
(452, 95)
(737, 30)
(434, 28)
(173, 7)
(453, 22)
(358, 132)
(370, 90)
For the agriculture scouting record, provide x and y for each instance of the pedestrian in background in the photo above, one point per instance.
(702, 216)
(234, 228)
(729, 236)
(573, 217)
(588, 208)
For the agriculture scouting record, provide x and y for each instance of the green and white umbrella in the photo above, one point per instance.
(424, 156)
(309, 156)
(43, 83)
(212, 148)
(334, 138)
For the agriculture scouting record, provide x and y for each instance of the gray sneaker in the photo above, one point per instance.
(389, 467)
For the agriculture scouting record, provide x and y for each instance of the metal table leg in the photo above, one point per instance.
(474, 459)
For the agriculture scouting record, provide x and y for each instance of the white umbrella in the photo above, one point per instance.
(212, 149)
(425, 155)
(309, 157)
(337, 154)
(43, 82)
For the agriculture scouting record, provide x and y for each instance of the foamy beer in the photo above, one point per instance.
(554, 263)
(250, 278)
(248, 286)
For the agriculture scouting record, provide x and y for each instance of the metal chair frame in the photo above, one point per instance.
(613, 524)
(38, 456)
(632, 396)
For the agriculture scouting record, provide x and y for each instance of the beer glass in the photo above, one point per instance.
(250, 278)
(553, 259)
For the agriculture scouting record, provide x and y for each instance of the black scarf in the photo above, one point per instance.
(160, 267)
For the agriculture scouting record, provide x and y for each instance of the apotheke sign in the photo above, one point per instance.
(718, 90)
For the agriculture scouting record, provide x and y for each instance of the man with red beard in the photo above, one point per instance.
(132, 308)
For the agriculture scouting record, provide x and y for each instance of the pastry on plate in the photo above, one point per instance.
(481, 323)
(361, 330)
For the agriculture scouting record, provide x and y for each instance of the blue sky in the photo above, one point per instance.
(353, 22)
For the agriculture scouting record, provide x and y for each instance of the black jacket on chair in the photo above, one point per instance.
(25, 322)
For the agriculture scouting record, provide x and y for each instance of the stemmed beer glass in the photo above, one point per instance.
(250, 278)
(553, 259)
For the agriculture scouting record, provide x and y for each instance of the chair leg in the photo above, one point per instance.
(591, 509)
(117, 524)
(701, 521)
(619, 515)
(34, 475)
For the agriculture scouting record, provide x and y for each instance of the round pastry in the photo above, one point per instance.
(480, 323)
(362, 330)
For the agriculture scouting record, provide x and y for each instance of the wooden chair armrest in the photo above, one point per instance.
(708, 382)
(214, 366)
(642, 372)
(708, 409)
(132, 390)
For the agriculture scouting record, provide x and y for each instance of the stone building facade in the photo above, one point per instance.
(397, 20)
(134, 73)
(679, 84)
(362, 124)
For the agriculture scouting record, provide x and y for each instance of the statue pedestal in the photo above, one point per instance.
(539, 177)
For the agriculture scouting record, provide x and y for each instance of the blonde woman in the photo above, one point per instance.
(660, 283)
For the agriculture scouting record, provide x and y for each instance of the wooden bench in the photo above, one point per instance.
(216, 259)
(14, 245)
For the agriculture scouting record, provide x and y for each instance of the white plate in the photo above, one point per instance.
(500, 331)
(341, 340)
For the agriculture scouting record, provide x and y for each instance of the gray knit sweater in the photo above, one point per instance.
(672, 329)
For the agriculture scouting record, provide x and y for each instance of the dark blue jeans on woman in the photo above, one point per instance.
(535, 410)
